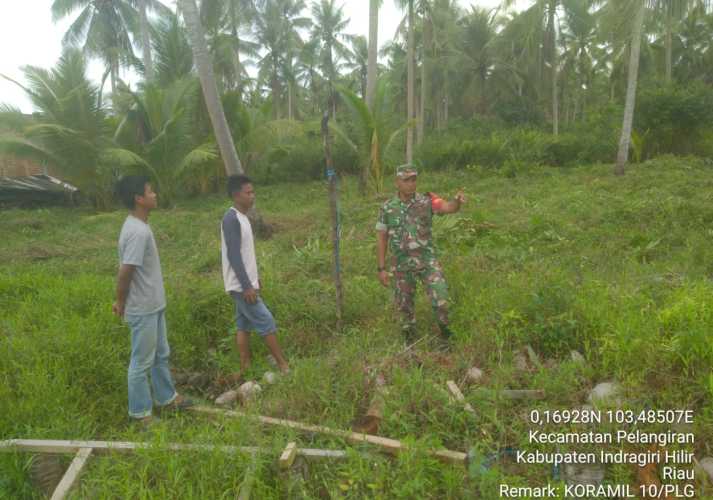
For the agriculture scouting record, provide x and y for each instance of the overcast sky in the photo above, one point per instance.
(28, 36)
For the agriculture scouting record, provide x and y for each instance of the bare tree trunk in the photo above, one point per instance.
(289, 100)
(113, 77)
(410, 84)
(555, 98)
(669, 43)
(210, 89)
(424, 90)
(373, 48)
(145, 40)
(446, 104)
(274, 85)
(236, 50)
(625, 140)
(552, 49)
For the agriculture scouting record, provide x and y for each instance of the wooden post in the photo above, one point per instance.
(71, 477)
(534, 358)
(288, 456)
(453, 388)
(334, 212)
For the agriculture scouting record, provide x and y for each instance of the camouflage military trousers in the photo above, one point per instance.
(431, 276)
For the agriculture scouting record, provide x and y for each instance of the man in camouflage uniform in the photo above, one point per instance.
(404, 226)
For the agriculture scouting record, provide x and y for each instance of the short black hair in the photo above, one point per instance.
(129, 187)
(236, 183)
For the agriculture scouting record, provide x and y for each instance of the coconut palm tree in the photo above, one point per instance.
(547, 12)
(411, 83)
(106, 29)
(373, 50)
(358, 64)
(328, 28)
(173, 56)
(579, 39)
(374, 137)
(672, 13)
(158, 124)
(71, 130)
(224, 21)
(210, 90)
(276, 31)
(476, 55)
(308, 74)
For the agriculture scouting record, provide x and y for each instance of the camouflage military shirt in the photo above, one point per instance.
(408, 225)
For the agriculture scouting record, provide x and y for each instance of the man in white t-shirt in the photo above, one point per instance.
(240, 274)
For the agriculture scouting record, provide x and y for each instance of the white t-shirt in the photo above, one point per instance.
(238, 252)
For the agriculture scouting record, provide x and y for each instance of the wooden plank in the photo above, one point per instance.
(71, 477)
(246, 487)
(455, 391)
(390, 445)
(523, 393)
(105, 447)
(288, 456)
(534, 358)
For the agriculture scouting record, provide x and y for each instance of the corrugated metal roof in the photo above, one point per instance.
(35, 188)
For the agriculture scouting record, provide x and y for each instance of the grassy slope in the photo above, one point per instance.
(618, 268)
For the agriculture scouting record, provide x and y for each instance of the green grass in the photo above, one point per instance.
(617, 268)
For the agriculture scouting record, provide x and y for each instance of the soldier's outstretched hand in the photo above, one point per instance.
(460, 197)
(384, 278)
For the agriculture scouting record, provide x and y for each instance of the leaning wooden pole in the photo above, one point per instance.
(334, 211)
(392, 446)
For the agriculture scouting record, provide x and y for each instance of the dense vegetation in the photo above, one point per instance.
(496, 88)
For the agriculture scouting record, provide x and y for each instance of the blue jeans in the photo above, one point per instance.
(149, 352)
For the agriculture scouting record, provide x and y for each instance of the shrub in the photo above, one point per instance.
(675, 117)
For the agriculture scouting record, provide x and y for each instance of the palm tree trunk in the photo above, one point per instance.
(275, 86)
(446, 104)
(145, 40)
(555, 97)
(410, 85)
(113, 77)
(552, 49)
(236, 49)
(289, 100)
(625, 140)
(373, 48)
(424, 92)
(669, 43)
(210, 89)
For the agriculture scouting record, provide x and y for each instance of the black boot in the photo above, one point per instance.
(410, 335)
(446, 336)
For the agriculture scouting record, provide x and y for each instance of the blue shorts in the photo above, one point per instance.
(253, 317)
